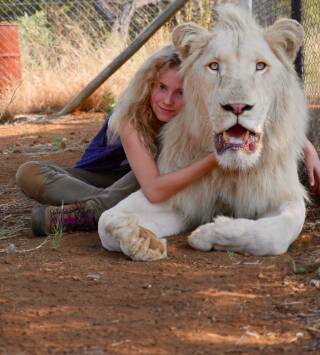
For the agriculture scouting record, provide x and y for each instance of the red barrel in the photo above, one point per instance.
(10, 68)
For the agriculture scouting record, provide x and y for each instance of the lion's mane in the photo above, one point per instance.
(273, 179)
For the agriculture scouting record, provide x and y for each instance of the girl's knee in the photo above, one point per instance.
(30, 180)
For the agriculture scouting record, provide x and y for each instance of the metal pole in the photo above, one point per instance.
(246, 4)
(296, 15)
(123, 56)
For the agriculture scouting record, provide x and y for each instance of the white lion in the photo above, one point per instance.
(244, 103)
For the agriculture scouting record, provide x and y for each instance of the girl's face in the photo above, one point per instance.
(166, 97)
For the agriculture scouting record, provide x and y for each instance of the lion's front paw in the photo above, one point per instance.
(201, 238)
(121, 232)
(113, 227)
(144, 246)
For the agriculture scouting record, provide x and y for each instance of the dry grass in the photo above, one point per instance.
(60, 56)
(13, 216)
(54, 74)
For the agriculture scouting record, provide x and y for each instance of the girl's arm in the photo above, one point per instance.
(156, 187)
(312, 163)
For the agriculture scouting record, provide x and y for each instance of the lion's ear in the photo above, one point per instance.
(287, 35)
(187, 37)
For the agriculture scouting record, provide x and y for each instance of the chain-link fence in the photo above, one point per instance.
(127, 18)
(65, 43)
(308, 13)
(267, 11)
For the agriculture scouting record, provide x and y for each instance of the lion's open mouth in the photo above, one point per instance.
(235, 138)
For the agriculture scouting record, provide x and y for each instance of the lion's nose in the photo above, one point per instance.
(237, 108)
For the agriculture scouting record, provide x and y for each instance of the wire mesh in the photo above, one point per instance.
(308, 11)
(311, 50)
(267, 11)
(64, 44)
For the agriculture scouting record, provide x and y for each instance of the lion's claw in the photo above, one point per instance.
(144, 247)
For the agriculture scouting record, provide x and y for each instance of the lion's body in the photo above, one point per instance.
(247, 193)
(256, 182)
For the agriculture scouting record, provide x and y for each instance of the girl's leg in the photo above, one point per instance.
(113, 194)
(51, 184)
(83, 198)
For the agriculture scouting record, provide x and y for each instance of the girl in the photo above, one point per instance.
(102, 177)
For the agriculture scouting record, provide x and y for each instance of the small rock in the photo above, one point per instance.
(10, 249)
(212, 319)
(315, 283)
(94, 277)
(147, 286)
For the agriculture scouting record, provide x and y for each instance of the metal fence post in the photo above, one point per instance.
(246, 4)
(297, 15)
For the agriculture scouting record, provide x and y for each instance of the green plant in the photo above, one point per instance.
(298, 269)
(57, 142)
(56, 235)
(35, 36)
(7, 293)
(108, 102)
(231, 255)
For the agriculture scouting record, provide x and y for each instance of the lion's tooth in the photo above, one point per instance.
(225, 136)
(236, 140)
(246, 136)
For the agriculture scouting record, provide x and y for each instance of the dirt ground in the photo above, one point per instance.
(73, 297)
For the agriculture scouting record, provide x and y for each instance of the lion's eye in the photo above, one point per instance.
(214, 66)
(261, 66)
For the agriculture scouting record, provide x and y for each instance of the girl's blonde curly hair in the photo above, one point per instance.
(134, 103)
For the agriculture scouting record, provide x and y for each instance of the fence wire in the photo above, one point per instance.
(74, 40)
(95, 16)
(311, 50)
(308, 13)
(53, 30)
(267, 11)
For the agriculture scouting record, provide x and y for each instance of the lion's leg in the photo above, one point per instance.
(135, 226)
(269, 235)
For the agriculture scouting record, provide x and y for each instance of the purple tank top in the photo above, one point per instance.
(103, 156)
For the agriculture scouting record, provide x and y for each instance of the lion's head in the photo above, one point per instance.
(236, 75)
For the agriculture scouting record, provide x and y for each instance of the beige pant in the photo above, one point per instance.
(51, 185)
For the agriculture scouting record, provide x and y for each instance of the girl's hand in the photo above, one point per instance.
(156, 187)
(312, 163)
